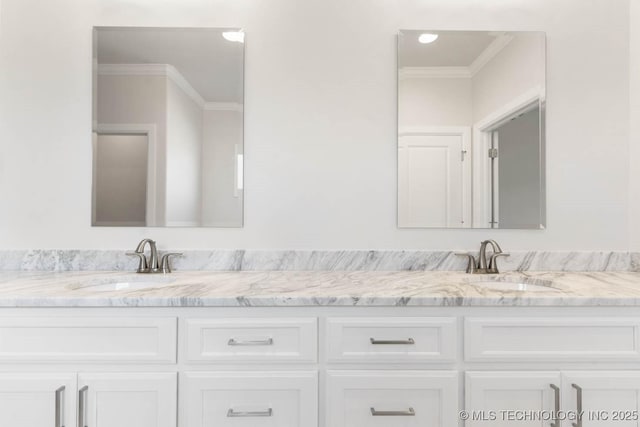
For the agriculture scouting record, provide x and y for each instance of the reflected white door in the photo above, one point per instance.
(36, 400)
(128, 399)
(431, 180)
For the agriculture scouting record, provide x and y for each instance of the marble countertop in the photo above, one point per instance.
(316, 288)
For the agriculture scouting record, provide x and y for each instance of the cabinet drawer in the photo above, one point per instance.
(392, 398)
(88, 339)
(533, 339)
(251, 340)
(394, 339)
(282, 399)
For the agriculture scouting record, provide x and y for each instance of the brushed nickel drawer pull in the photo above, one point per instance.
(578, 404)
(408, 413)
(82, 406)
(556, 410)
(231, 413)
(59, 420)
(233, 341)
(408, 341)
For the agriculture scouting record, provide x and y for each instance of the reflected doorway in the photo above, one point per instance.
(120, 180)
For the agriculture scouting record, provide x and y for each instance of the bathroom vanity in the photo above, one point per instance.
(316, 348)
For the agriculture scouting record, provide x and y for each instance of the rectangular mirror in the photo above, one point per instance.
(168, 127)
(471, 129)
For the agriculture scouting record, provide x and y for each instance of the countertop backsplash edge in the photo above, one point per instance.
(321, 260)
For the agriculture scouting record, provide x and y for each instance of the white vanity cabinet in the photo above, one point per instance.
(317, 366)
(90, 399)
(88, 345)
(604, 398)
(38, 399)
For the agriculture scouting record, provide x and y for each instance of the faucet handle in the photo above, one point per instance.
(165, 264)
(143, 265)
(471, 266)
(493, 262)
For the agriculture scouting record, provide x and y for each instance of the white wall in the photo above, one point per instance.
(221, 205)
(320, 110)
(634, 151)
(434, 102)
(184, 152)
(514, 71)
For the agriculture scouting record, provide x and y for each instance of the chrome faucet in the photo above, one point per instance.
(151, 264)
(481, 266)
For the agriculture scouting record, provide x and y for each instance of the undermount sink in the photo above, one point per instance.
(514, 285)
(125, 283)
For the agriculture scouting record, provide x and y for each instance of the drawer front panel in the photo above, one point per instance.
(392, 398)
(552, 339)
(251, 340)
(88, 339)
(270, 399)
(394, 339)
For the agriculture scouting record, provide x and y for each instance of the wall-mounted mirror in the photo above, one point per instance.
(168, 127)
(471, 129)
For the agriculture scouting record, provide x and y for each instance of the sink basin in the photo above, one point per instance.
(125, 283)
(514, 285)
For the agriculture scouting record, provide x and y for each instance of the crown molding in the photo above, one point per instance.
(223, 106)
(489, 53)
(434, 73)
(165, 70)
(460, 72)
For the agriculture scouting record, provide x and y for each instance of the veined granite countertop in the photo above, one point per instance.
(315, 288)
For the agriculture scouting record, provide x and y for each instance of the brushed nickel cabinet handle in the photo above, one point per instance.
(267, 341)
(82, 406)
(556, 405)
(231, 413)
(578, 404)
(59, 420)
(409, 341)
(408, 413)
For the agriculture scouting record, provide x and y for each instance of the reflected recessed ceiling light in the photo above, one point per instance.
(427, 38)
(234, 36)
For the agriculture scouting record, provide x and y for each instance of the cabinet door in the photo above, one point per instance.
(392, 399)
(128, 399)
(36, 400)
(249, 399)
(607, 398)
(495, 398)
